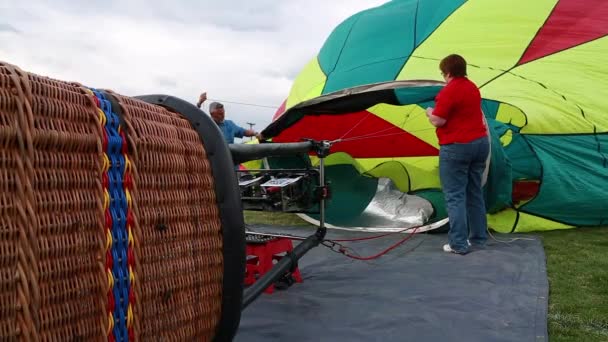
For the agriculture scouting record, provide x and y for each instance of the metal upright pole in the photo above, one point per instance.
(322, 184)
(290, 260)
(251, 124)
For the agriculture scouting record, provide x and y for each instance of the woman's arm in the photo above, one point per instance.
(434, 119)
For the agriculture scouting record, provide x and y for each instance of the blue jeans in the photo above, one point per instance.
(461, 169)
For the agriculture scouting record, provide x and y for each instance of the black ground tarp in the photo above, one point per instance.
(415, 293)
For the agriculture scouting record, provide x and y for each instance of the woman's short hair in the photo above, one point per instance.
(455, 65)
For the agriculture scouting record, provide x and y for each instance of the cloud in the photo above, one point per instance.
(8, 28)
(236, 50)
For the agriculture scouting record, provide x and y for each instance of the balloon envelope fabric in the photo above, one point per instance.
(540, 67)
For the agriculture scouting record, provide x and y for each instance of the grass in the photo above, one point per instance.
(577, 268)
(281, 219)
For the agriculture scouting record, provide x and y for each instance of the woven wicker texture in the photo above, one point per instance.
(178, 237)
(58, 247)
(51, 285)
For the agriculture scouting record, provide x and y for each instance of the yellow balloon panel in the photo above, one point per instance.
(408, 173)
(530, 223)
(490, 35)
(423, 171)
(506, 138)
(571, 83)
(502, 221)
(511, 115)
(307, 85)
(410, 118)
(546, 111)
(393, 170)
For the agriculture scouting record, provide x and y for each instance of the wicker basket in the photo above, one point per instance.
(111, 227)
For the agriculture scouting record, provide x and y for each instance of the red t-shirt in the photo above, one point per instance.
(459, 102)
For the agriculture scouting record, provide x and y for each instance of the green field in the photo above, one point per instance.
(577, 266)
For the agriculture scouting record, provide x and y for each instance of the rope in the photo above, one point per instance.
(133, 228)
(376, 236)
(355, 126)
(383, 135)
(128, 187)
(350, 253)
(296, 237)
(244, 104)
(510, 240)
(372, 135)
(347, 251)
(108, 222)
(344, 249)
(120, 239)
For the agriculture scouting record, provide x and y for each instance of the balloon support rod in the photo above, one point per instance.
(290, 261)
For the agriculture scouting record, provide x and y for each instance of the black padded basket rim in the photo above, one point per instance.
(229, 204)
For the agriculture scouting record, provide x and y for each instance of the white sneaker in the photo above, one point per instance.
(448, 249)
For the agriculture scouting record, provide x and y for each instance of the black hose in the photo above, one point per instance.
(244, 152)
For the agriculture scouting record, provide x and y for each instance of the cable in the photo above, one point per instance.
(505, 241)
(288, 236)
(510, 240)
(344, 250)
(368, 136)
(406, 118)
(296, 237)
(244, 103)
(374, 236)
(355, 126)
(348, 251)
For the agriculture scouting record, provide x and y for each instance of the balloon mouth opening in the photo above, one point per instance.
(389, 210)
(524, 190)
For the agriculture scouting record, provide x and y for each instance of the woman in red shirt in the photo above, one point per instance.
(464, 148)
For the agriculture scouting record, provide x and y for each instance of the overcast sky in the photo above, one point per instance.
(246, 51)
